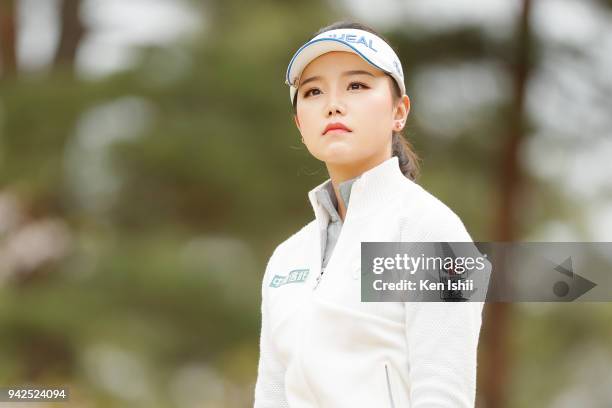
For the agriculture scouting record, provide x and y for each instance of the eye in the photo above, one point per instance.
(308, 92)
(358, 84)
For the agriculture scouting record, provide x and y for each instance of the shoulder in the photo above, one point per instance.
(294, 243)
(425, 216)
(296, 240)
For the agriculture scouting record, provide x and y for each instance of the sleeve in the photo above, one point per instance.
(270, 384)
(442, 340)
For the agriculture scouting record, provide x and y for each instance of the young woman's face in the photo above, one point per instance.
(341, 87)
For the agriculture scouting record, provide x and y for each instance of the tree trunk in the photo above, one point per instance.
(8, 38)
(495, 374)
(72, 31)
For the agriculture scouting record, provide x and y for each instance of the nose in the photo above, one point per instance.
(334, 106)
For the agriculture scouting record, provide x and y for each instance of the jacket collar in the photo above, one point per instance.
(327, 197)
(369, 191)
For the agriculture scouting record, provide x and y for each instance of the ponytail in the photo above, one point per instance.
(408, 159)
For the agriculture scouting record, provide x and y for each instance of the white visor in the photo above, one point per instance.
(368, 46)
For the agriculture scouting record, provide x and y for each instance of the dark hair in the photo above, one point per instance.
(408, 159)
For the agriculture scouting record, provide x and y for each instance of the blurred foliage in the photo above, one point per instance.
(174, 180)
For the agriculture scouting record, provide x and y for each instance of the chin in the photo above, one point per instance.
(340, 154)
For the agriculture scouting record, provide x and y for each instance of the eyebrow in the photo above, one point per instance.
(345, 73)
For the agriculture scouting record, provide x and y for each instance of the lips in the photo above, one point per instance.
(336, 127)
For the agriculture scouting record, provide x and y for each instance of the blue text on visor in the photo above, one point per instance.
(352, 38)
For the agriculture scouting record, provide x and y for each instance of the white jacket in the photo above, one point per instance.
(322, 347)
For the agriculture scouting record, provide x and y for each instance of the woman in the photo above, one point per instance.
(320, 345)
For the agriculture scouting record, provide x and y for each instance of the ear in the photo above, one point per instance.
(402, 109)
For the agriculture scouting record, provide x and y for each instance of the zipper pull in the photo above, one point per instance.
(318, 279)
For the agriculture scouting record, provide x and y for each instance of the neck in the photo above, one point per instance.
(340, 172)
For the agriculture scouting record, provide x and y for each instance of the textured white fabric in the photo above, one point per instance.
(270, 386)
(322, 347)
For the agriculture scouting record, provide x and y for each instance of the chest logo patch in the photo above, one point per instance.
(295, 276)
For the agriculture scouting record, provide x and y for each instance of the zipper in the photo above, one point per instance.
(334, 253)
(389, 387)
(342, 233)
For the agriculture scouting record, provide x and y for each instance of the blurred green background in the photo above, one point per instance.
(149, 165)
